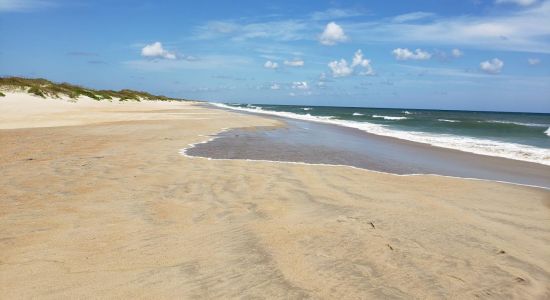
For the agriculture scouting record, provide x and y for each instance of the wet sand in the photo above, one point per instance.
(317, 143)
(102, 205)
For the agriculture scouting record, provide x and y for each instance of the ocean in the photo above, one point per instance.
(519, 136)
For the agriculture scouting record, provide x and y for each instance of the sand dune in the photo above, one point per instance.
(96, 201)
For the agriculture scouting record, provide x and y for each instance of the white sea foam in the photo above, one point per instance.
(447, 120)
(389, 117)
(307, 108)
(547, 131)
(515, 123)
(407, 112)
(358, 114)
(466, 144)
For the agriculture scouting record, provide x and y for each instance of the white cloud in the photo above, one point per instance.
(406, 54)
(275, 86)
(155, 50)
(300, 85)
(533, 61)
(295, 63)
(23, 5)
(456, 53)
(341, 68)
(358, 60)
(493, 66)
(332, 35)
(525, 30)
(414, 16)
(271, 65)
(514, 30)
(517, 2)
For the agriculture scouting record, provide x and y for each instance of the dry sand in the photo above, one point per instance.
(96, 202)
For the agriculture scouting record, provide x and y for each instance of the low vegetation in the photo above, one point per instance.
(45, 88)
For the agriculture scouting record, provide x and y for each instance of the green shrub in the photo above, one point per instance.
(36, 91)
(45, 88)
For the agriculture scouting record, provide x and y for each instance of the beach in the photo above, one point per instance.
(98, 202)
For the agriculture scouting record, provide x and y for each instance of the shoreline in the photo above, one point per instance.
(498, 164)
(183, 153)
(379, 130)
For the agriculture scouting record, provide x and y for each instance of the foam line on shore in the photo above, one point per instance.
(211, 138)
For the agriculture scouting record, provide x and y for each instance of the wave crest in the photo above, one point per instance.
(389, 117)
(447, 120)
(461, 143)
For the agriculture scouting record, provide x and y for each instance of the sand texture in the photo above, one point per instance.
(96, 202)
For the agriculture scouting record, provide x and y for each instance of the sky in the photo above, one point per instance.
(440, 54)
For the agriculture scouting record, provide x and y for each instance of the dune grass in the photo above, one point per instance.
(45, 88)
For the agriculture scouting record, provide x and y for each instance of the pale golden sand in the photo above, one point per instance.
(107, 208)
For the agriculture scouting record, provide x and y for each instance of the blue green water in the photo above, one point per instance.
(521, 136)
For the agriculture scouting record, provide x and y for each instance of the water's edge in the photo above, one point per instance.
(338, 146)
(461, 143)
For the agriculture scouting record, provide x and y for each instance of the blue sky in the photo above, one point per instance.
(444, 54)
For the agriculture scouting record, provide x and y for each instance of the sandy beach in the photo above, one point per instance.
(97, 202)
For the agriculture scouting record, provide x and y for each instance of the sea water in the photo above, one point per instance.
(520, 136)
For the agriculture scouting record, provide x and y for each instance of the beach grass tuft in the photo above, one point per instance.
(45, 88)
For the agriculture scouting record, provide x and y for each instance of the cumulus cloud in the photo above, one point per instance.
(332, 35)
(456, 53)
(359, 65)
(493, 66)
(406, 54)
(533, 61)
(517, 2)
(294, 63)
(359, 61)
(271, 65)
(340, 68)
(300, 85)
(155, 50)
